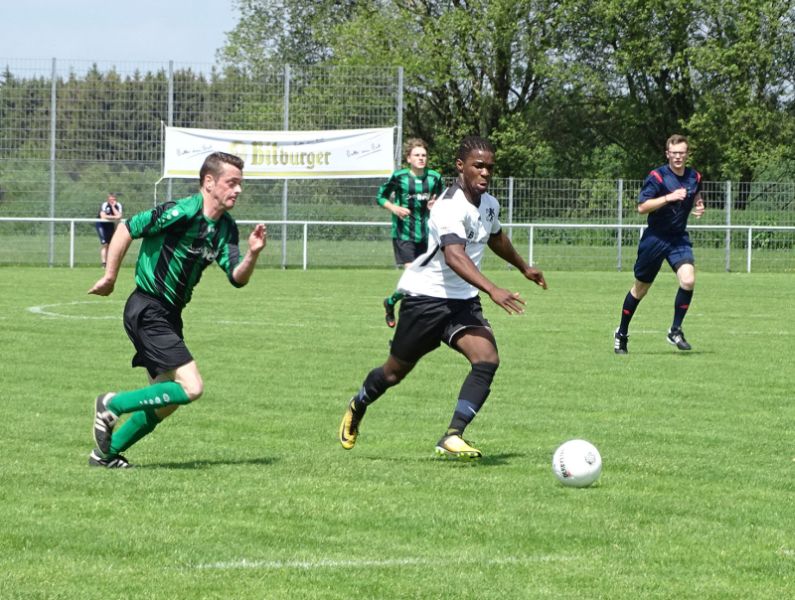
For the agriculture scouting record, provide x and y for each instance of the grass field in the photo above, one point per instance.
(247, 494)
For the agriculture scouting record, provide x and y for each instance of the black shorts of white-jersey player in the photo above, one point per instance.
(441, 303)
(668, 196)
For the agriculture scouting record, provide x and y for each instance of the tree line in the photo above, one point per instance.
(565, 88)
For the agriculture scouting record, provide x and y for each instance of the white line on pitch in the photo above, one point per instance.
(308, 565)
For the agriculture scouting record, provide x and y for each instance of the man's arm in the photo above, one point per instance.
(649, 206)
(117, 249)
(458, 260)
(256, 243)
(501, 245)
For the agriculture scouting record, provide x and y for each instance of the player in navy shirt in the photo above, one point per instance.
(668, 196)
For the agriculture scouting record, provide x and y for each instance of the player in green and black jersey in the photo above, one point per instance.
(408, 195)
(179, 240)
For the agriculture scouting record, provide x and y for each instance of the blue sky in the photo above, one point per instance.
(185, 31)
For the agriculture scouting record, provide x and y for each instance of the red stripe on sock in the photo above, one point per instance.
(684, 306)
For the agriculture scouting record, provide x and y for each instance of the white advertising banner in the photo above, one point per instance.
(339, 153)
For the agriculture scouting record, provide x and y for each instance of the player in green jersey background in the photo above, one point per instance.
(409, 195)
(179, 240)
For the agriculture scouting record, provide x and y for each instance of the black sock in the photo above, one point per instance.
(374, 386)
(627, 311)
(681, 304)
(472, 396)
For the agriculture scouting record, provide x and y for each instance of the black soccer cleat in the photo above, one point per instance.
(620, 343)
(677, 337)
(389, 315)
(104, 422)
(116, 461)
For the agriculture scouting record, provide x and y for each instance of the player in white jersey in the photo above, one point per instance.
(442, 302)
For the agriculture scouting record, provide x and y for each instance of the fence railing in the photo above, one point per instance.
(571, 246)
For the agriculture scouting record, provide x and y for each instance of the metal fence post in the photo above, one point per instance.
(399, 115)
(728, 223)
(619, 219)
(53, 133)
(510, 207)
(284, 189)
(169, 186)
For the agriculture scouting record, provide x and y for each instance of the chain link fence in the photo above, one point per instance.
(70, 133)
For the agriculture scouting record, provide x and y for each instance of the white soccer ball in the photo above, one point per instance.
(577, 463)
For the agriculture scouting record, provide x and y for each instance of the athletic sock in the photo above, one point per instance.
(395, 298)
(681, 304)
(156, 395)
(374, 386)
(473, 394)
(627, 311)
(140, 424)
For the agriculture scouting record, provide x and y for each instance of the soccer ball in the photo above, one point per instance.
(577, 463)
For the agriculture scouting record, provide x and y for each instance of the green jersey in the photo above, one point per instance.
(179, 242)
(411, 192)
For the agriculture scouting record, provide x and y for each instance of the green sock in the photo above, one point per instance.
(140, 424)
(157, 395)
(395, 298)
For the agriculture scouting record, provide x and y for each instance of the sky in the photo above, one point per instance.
(137, 31)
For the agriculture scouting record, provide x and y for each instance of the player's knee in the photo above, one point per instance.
(193, 389)
(687, 282)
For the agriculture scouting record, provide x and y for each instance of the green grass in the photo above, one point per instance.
(247, 495)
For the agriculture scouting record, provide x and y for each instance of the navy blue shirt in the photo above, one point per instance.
(670, 219)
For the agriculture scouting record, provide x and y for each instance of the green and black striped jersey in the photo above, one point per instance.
(179, 242)
(411, 192)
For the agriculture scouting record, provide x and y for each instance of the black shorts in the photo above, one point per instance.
(105, 231)
(406, 251)
(155, 328)
(425, 322)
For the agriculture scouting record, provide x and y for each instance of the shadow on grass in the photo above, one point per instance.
(490, 460)
(206, 464)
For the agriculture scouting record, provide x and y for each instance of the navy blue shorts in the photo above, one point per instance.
(425, 322)
(406, 251)
(155, 329)
(105, 231)
(653, 249)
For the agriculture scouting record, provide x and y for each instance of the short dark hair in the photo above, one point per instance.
(471, 143)
(214, 162)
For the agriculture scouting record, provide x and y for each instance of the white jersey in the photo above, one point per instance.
(454, 220)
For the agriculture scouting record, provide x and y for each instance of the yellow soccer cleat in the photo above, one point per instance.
(456, 448)
(349, 428)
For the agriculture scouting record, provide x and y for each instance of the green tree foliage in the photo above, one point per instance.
(568, 88)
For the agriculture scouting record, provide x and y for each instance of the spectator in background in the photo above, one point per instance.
(110, 213)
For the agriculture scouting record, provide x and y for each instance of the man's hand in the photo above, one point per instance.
(677, 195)
(510, 301)
(401, 212)
(535, 276)
(258, 238)
(103, 287)
(699, 207)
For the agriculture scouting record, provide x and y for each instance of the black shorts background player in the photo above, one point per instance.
(409, 195)
(109, 215)
(441, 302)
(668, 196)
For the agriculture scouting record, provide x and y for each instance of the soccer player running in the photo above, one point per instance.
(441, 302)
(412, 191)
(668, 195)
(179, 240)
